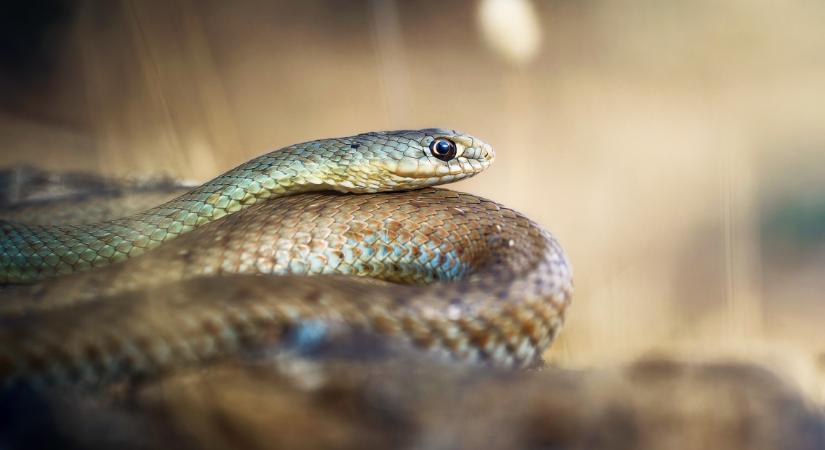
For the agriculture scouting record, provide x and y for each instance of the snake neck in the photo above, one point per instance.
(262, 178)
(32, 253)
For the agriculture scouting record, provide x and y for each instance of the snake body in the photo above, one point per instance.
(457, 274)
(371, 162)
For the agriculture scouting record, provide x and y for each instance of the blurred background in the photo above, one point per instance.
(675, 148)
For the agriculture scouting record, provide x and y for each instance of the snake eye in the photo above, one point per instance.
(443, 149)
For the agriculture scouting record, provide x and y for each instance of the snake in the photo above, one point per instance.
(322, 239)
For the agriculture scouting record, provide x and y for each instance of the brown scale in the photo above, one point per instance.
(167, 309)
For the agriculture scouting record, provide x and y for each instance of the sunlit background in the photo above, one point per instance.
(675, 148)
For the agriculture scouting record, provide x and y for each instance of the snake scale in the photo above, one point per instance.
(180, 284)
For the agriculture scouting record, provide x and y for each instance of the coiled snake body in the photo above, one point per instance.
(455, 273)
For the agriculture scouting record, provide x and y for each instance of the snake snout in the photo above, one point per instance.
(487, 153)
(478, 156)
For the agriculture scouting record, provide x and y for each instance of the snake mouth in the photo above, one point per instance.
(454, 170)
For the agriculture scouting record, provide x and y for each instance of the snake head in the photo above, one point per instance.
(409, 159)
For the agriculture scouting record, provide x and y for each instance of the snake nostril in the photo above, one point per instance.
(487, 153)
